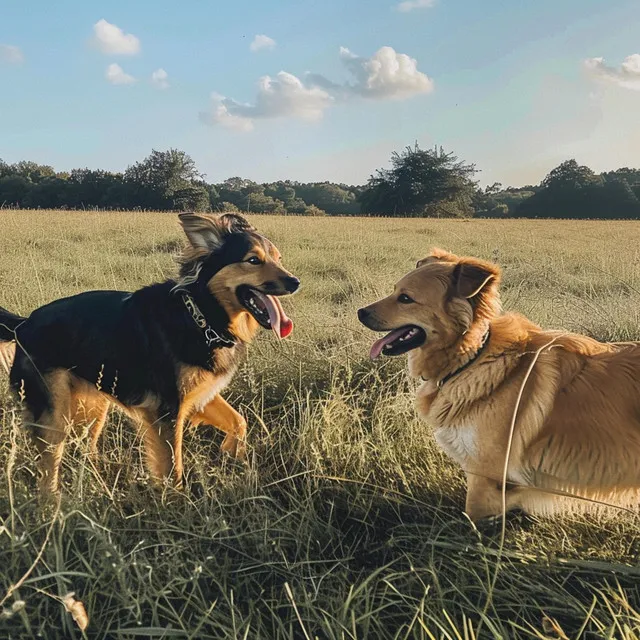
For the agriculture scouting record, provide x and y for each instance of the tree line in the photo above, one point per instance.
(418, 183)
(166, 181)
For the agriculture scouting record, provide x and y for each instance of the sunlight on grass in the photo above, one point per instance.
(348, 521)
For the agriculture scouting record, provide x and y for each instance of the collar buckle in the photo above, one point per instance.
(213, 338)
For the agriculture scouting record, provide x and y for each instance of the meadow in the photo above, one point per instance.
(347, 522)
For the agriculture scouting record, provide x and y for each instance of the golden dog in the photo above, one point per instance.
(560, 411)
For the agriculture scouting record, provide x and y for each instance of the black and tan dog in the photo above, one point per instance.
(162, 354)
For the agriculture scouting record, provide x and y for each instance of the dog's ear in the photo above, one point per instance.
(204, 232)
(437, 255)
(236, 223)
(470, 278)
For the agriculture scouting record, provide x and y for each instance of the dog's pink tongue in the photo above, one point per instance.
(379, 345)
(281, 324)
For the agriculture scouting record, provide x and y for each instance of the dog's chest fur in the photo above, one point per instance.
(459, 439)
(199, 386)
(459, 442)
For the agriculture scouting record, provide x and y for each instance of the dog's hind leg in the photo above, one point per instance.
(90, 410)
(220, 414)
(98, 418)
(52, 427)
(7, 354)
(50, 441)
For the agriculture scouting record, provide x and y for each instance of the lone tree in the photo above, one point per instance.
(570, 176)
(167, 180)
(421, 183)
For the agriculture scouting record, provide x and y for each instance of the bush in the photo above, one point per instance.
(312, 210)
(447, 209)
(500, 210)
(228, 207)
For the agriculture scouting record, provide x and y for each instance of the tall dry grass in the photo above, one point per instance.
(348, 521)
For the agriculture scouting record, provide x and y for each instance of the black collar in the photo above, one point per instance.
(212, 338)
(485, 341)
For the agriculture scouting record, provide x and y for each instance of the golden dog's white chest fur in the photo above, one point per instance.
(459, 443)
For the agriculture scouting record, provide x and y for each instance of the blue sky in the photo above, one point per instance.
(515, 87)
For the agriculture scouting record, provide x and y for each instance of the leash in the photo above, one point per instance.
(459, 370)
(211, 336)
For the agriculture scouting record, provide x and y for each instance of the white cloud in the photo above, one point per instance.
(410, 5)
(11, 54)
(111, 39)
(261, 42)
(116, 75)
(219, 114)
(626, 76)
(160, 79)
(386, 75)
(282, 96)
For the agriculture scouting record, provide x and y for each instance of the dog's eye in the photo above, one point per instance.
(403, 298)
(254, 260)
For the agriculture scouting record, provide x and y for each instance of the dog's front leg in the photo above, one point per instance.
(220, 414)
(484, 497)
(158, 448)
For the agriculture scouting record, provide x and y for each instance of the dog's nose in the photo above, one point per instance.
(291, 284)
(362, 314)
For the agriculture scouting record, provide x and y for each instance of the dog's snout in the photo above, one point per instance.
(363, 314)
(291, 283)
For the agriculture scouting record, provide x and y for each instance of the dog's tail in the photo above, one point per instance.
(8, 324)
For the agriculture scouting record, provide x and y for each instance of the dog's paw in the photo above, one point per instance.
(491, 525)
(235, 447)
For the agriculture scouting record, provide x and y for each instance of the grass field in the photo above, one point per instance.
(348, 521)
